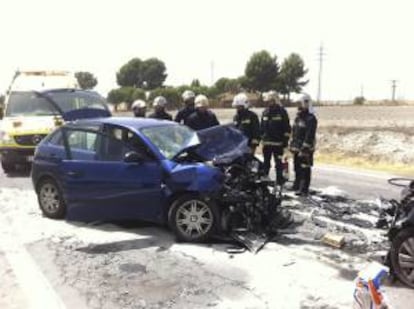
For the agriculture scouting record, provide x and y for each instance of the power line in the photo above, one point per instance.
(321, 55)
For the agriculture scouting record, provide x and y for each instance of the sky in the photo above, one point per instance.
(367, 43)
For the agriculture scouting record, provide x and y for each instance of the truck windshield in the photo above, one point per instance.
(34, 104)
(28, 104)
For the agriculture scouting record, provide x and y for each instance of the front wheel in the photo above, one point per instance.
(402, 256)
(50, 199)
(192, 218)
(8, 167)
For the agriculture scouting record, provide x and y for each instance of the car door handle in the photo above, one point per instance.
(74, 174)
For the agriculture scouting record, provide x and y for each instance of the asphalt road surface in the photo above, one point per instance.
(57, 264)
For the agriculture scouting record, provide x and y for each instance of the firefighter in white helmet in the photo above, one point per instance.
(246, 120)
(188, 97)
(276, 129)
(160, 104)
(202, 118)
(303, 144)
(139, 108)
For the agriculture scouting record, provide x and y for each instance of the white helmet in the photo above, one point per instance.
(271, 96)
(201, 101)
(138, 104)
(188, 94)
(306, 101)
(159, 101)
(305, 98)
(241, 99)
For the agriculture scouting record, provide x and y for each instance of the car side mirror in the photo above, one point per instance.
(133, 157)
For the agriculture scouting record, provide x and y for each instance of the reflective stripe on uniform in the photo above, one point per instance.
(272, 143)
(287, 134)
(255, 141)
(276, 118)
(246, 121)
(305, 166)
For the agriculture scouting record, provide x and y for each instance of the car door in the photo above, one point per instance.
(100, 185)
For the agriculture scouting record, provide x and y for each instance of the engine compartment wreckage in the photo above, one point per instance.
(249, 203)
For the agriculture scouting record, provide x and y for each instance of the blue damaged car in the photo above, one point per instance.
(109, 168)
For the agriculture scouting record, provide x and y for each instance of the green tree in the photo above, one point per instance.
(138, 94)
(221, 84)
(360, 100)
(261, 71)
(2, 98)
(121, 95)
(291, 74)
(140, 74)
(172, 95)
(195, 83)
(130, 74)
(154, 73)
(225, 84)
(86, 80)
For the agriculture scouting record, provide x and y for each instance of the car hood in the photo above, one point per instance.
(222, 144)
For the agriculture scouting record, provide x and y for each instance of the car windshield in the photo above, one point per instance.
(171, 139)
(34, 104)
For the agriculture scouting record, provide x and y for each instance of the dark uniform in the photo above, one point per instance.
(303, 146)
(160, 115)
(183, 114)
(275, 135)
(248, 122)
(202, 120)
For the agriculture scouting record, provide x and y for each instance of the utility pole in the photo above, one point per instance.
(393, 87)
(321, 54)
(362, 91)
(212, 72)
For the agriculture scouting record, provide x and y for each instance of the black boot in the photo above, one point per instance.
(305, 181)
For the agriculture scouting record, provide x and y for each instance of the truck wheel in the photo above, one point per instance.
(402, 256)
(8, 167)
(192, 218)
(50, 199)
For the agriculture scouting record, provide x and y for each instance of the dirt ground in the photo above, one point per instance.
(378, 137)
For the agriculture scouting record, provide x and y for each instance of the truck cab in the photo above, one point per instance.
(35, 105)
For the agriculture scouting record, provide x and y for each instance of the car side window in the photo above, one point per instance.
(82, 144)
(130, 140)
(112, 149)
(57, 139)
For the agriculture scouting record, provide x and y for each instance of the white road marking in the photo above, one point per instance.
(37, 289)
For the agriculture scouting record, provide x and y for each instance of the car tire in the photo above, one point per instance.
(402, 256)
(193, 218)
(50, 199)
(8, 167)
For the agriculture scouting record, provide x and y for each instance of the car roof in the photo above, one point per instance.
(130, 122)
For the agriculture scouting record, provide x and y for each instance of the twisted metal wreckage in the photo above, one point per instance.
(254, 214)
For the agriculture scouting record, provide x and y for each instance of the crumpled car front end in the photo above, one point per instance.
(227, 172)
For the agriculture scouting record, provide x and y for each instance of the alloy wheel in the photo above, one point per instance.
(194, 218)
(49, 198)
